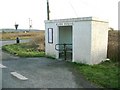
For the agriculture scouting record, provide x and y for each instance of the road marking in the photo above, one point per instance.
(19, 76)
(2, 66)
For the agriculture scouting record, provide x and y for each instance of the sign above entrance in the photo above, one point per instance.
(65, 24)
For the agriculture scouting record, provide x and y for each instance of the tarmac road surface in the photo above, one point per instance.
(40, 72)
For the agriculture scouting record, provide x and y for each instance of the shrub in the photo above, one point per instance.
(113, 45)
(38, 42)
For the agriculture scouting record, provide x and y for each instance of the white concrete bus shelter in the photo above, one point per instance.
(86, 39)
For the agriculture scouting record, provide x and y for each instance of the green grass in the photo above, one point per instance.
(105, 74)
(23, 50)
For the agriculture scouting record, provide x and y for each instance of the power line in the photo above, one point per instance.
(73, 8)
(84, 3)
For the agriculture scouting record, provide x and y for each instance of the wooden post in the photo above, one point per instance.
(48, 11)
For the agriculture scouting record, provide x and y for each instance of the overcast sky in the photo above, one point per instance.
(20, 11)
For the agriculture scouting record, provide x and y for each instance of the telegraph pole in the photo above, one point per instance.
(48, 11)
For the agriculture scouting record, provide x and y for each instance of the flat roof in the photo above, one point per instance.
(76, 20)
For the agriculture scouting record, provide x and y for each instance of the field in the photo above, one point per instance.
(21, 35)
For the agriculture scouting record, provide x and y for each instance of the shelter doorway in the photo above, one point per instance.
(65, 42)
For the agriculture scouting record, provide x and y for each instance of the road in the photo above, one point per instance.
(4, 55)
(41, 73)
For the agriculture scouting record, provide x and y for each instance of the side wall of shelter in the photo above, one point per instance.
(82, 42)
(99, 41)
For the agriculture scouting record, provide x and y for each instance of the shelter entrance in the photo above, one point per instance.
(65, 42)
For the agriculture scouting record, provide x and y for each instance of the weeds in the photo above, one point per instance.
(23, 50)
(113, 45)
(105, 74)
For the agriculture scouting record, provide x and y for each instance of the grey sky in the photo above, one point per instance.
(20, 11)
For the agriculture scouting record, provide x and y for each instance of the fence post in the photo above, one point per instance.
(65, 50)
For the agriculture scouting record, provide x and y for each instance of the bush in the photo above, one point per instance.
(38, 42)
(113, 45)
(23, 50)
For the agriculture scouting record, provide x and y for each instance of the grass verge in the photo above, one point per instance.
(23, 50)
(105, 74)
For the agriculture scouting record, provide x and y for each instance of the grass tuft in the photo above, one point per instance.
(23, 50)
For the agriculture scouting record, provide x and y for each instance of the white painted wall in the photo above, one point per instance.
(89, 37)
(50, 47)
(82, 42)
(99, 41)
